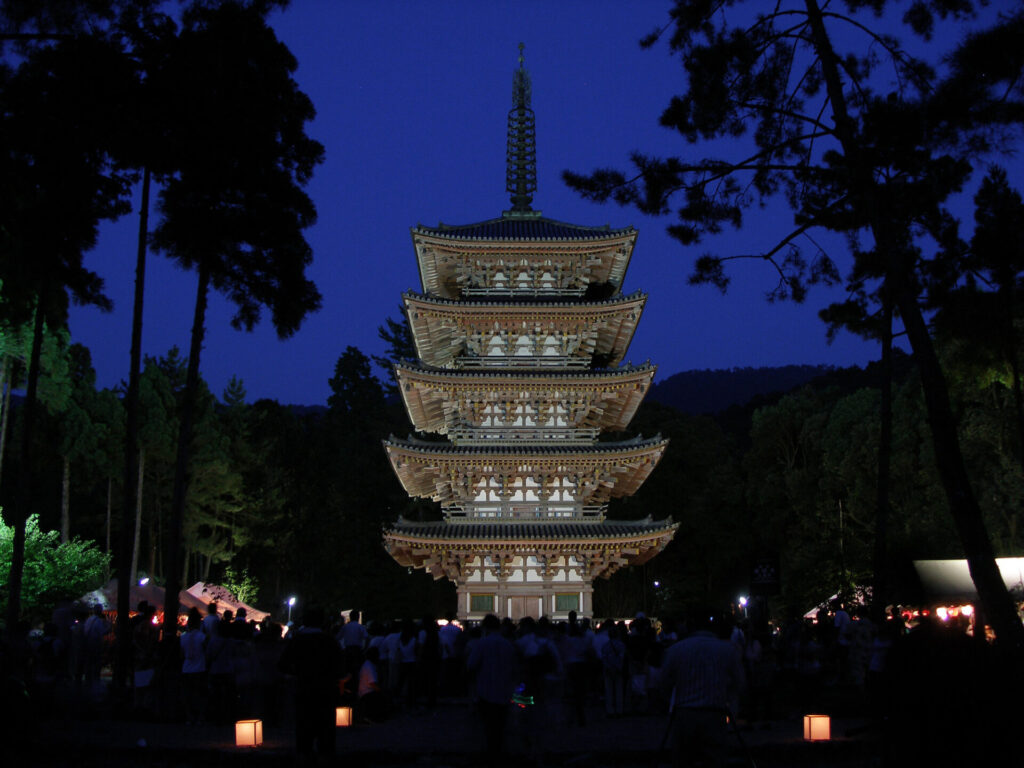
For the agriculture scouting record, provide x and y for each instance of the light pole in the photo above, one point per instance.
(291, 602)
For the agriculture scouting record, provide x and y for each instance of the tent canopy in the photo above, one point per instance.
(197, 596)
(950, 580)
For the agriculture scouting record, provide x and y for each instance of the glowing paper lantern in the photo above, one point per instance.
(248, 733)
(816, 728)
(343, 716)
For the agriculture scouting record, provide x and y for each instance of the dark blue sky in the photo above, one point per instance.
(412, 99)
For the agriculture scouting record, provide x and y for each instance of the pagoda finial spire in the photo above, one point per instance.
(521, 153)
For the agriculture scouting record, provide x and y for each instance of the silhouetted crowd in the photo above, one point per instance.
(715, 672)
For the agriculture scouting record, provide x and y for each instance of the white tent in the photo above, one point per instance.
(950, 580)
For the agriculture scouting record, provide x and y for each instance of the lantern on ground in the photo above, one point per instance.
(248, 733)
(343, 717)
(816, 728)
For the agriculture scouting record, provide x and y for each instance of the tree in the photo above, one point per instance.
(868, 153)
(397, 336)
(355, 392)
(80, 437)
(53, 571)
(58, 185)
(979, 319)
(234, 210)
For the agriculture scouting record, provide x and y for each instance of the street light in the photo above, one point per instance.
(743, 605)
(291, 602)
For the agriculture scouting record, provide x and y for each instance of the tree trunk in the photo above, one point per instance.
(24, 507)
(138, 517)
(5, 389)
(65, 502)
(110, 493)
(123, 661)
(175, 528)
(880, 588)
(999, 607)
(995, 598)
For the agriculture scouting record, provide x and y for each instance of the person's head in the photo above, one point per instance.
(491, 623)
(353, 617)
(211, 609)
(228, 615)
(241, 614)
(527, 625)
(703, 618)
(314, 617)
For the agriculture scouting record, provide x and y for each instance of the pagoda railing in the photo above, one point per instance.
(523, 435)
(522, 361)
(492, 512)
(526, 291)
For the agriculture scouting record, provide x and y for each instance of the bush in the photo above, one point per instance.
(53, 571)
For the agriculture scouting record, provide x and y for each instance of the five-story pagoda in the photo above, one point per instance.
(521, 330)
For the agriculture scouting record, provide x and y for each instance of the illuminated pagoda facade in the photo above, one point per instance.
(520, 332)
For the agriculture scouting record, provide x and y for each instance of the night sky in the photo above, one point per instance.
(411, 100)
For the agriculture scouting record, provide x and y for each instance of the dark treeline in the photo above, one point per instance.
(284, 501)
(790, 478)
(291, 500)
(710, 391)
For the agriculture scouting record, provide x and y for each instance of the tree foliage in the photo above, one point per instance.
(54, 571)
(820, 105)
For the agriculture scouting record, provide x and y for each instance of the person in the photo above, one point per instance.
(373, 705)
(352, 638)
(704, 673)
(451, 673)
(576, 657)
(613, 662)
(313, 657)
(193, 667)
(408, 647)
(211, 620)
(428, 661)
(494, 663)
(220, 669)
(842, 624)
(94, 634)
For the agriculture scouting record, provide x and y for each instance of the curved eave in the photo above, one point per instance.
(441, 533)
(605, 259)
(442, 548)
(440, 326)
(436, 470)
(534, 229)
(433, 397)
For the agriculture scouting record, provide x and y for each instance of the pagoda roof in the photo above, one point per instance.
(448, 473)
(440, 326)
(525, 228)
(445, 548)
(635, 445)
(518, 375)
(435, 397)
(445, 530)
(512, 303)
(455, 261)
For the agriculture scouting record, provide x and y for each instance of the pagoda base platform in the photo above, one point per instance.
(516, 601)
(528, 568)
